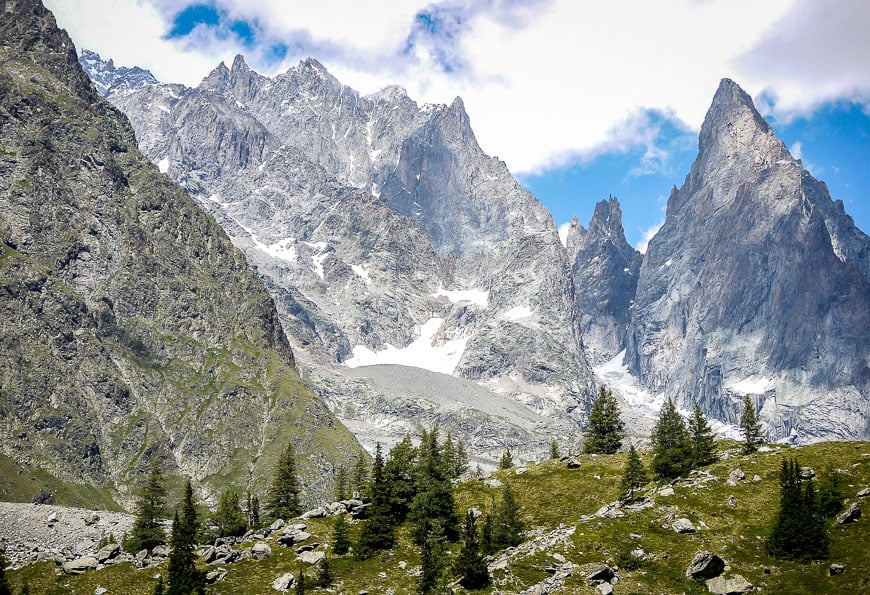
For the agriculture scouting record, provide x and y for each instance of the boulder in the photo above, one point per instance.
(261, 550)
(277, 525)
(91, 519)
(602, 572)
(100, 590)
(107, 552)
(732, 501)
(311, 557)
(736, 585)
(283, 582)
(737, 475)
(79, 565)
(864, 493)
(807, 473)
(213, 576)
(160, 551)
(475, 512)
(835, 569)
(705, 565)
(852, 514)
(521, 470)
(316, 513)
(493, 483)
(573, 463)
(683, 526)
(756, 479)
(307, 547)
(140, 557)
(604, 589)
(666, 491)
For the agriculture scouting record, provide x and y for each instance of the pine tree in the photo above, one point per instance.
(184, 578)
(507, 460)
(253, 511)
(300, 585)
(701, 437)
(341, 484)
(229, 517)
(455, 457)
(487, 540)
(507, 526)
(360, 476)
(672, 456)
(634, 475)
(147, 532)
(432, 559)
(379, 531)
(799, 532)
(400, 474)
(434, 499)
(283, 496)
(5, 589)
(324, 573)
(554, 450)
(831, 494)
(606, 428)
(750, 426)
(340, 536)
(470, 564)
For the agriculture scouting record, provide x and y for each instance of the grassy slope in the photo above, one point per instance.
(552, 495)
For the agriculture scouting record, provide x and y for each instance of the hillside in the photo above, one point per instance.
(559, 506)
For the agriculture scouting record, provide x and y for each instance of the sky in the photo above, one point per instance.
(581, 99)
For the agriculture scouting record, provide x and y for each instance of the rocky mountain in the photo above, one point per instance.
(386, 236)
(605, 268)
(110, 80)
(757, 283)
(131, 327)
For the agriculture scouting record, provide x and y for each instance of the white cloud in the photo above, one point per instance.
(545, 82)
(648, 234)
(796, 149)
(563, 232)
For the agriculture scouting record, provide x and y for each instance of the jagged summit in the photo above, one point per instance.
(111, 80)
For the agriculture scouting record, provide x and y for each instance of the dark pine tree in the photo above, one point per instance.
(554, 450)
(508, 525)
(750, 426)
(672, 454)
(300, 586)
(360, 476)
(434, 499)
(400, 472)
(455, 457)
(634, 474)
(487, 531)
(606, 428)
(341, 484)
(799, 531)
(324, 573)
(831, 493)
(432, 559)
(379, 531)
(147, 532)
(229, 516)
(701, 437)
(5, 589)
(184, 578)
(470, 564)
(507, 460)
(282, 499)
(340, 536)
(254, 512)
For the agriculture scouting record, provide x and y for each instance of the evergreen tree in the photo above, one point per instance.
(633, 475)
(341, 484)
(184, 578)
(432, 559)
(554, 450)
(229, 517)
(379, 531)
(507, 526)
(147, 532)
(400, 473)
(799, 531)
(434, 499)
(606, 428)
(831, 494)
(672, 455)
(455, 457)
(253, 511)
(750, 426)
(470, 564)
(158, 588)
(340, 536)
(507, 460)
(487, 540)
(300, 585)
(5, 589)
(360, 476)
(324, 574)
(701, 437)
(283, 496)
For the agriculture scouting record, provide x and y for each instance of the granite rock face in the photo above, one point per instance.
(110, 80)
(605, 268)
(757, 283)
(378, 225)
(131, 327)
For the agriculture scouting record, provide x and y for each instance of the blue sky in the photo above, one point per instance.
(581, 99)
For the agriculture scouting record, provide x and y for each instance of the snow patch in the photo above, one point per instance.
(318, 259)
(750, 386)
(475, 296)
(163, 108)
(361, 273)
(284, 249)
(617, 377)
(421, 353)
(163, 165)
(669, 262)
(518, 313)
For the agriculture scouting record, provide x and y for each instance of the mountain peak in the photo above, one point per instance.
(239, 64)
(732, 117)
(607, 217)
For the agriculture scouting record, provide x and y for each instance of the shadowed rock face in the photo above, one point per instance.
(605, 268)
(131, 327)
(363, 213)
(756, 283)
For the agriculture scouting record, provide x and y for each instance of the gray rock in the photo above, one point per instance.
(863, 493)
(521, 471)
(705, 565)
(493, 483)
(756, 478)
(737, 475)
(283, 582)
(261, 550)
(573, 463)
(100, 591)
(475, 512)
(836, 569)
(604, 588)
(80, 565)
(683, 526)
(807, 473)
(160, 551)
(277, 525)
(91, 519)
(666, 491)
(110, 80)
(602, 572)
(315, 513)
(140, 557)
(107, 552)
(732, 501)
(216, 575)
(736, 585)
(311, 557)
(850, 515)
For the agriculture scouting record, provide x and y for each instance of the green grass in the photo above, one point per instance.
(552, 496)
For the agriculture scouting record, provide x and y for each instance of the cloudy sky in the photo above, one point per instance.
(582, 99)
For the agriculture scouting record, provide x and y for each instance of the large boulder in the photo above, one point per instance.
(683, 526)
(705, 565)
(283, 582)
(736, 585)
(80, 565)
(603, 572)
(311, 557)
(107, 552)
(852, 514)
(261, 550)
